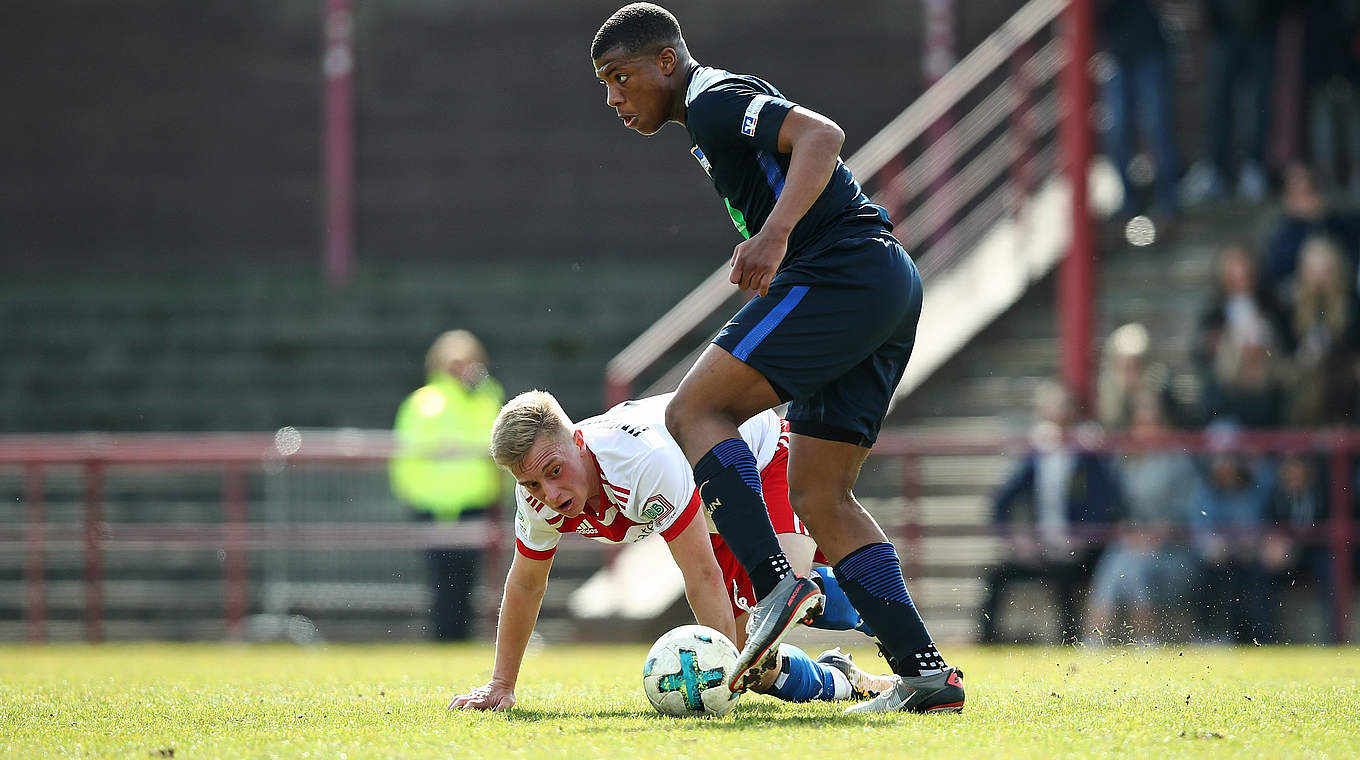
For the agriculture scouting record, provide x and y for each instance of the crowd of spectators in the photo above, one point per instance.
(1160, 542)
(1168, 543)
(1279, 81)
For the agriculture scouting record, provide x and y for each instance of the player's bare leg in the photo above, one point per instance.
(719, 393)
(822, 476)
(800, 550)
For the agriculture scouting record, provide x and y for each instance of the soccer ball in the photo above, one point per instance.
(686, 673)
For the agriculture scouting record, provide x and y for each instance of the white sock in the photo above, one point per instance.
(842, 684)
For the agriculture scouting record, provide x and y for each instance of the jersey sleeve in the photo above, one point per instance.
(534, 537)
(737, 115)
(664, 492)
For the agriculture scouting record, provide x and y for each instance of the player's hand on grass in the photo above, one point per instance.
(754, 261)
(493, 696)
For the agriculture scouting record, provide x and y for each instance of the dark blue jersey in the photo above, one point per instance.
(733, 122)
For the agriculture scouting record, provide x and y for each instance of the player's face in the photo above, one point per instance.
(555, 472)
(638, 87)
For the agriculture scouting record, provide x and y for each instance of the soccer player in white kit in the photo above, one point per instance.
(619, 478)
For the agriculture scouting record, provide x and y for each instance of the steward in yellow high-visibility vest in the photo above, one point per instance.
(443, 431)
(443, 469)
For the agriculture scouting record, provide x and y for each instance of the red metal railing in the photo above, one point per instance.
(938, 179)
(1338, 446)
(1077, 275)
(338, 174)
(235, 456)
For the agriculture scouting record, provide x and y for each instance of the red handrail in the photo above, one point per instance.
(235, 454)
(882, 158)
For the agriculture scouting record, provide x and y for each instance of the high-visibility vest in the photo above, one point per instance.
(440, 417)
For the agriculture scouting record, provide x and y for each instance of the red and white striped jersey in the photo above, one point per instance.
(646, 482)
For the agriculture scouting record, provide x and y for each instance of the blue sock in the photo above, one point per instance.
(800, 678)
(838, 614)
(729, 485)
(871, 576)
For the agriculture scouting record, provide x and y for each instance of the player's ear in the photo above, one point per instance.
(666, 60)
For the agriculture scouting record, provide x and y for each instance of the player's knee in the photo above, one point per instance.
(676, 416)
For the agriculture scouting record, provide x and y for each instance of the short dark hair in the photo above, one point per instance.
(637, 27)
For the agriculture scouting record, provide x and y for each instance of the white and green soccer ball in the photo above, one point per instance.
(687, 670)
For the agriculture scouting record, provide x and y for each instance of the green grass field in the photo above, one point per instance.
(204, 701)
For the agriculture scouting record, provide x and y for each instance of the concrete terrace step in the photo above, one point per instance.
(194, 354)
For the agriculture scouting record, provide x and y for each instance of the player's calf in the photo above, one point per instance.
(832, 676)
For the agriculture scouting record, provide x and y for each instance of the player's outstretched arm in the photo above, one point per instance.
(813, 143)
(524, 588)
(693, 552)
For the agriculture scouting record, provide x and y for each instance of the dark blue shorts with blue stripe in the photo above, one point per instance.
(833, 336)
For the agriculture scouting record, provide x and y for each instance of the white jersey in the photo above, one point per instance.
(646, 484)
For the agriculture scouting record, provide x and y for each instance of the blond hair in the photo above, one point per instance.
(1128, 343)
(454, 346)
(1325, 302)
(521, 421)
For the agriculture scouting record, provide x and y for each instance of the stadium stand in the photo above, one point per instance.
(170, 284)
(259, 352)
(988, 386)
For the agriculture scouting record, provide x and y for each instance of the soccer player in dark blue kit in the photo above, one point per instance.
(830, 331)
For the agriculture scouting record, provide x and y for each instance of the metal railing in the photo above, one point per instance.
(1338, 449)
(236, 532)
(233, 460)
(946, 183)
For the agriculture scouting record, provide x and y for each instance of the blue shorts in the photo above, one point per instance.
(834, 340)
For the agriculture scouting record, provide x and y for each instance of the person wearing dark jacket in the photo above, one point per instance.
(1055, 491)
(1293, 550)
(1305, 212)
(1237, 345)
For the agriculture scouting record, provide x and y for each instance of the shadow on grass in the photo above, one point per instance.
(744, 717)
(522, 715)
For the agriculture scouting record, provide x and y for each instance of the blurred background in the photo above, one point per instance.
(237, 237)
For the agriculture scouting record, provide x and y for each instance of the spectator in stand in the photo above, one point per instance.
(1241, 63)
(1057, 491)
(1325, 337)
(1126, 372)
(1331, 74)
(1138, 90)
(1237, 340)
(1293, 550)
(1227, 521)
(1306, 213)
(1247, 389)
(444, 471)
(1148, 565)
